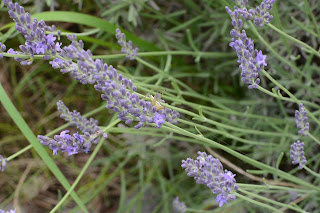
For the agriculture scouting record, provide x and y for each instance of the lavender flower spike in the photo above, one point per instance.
(76, 143)
(120, 95)
(208, 170)
(3, 164)
(82, 123)
(251, 60)
(34, 32)
(178, 206)
(71, 144)
(10, 211)
(126, 46)
(2, 49)
(301, 120)
(260, 16)
(297, 154)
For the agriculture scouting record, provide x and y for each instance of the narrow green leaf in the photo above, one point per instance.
(92, 21)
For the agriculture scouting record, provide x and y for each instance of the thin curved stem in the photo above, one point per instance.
(95, 152)
(289, 94)
(295, 40)
(317, 175)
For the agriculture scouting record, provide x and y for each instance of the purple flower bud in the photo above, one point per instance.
(3, 164)
(159, 119)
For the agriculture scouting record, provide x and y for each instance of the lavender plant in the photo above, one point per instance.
(253, 131)
(117, 90)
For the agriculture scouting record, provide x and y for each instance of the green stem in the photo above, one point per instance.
(226, 134)
(20, 152)
(215, 55)
(147, 64)
(295, 40)
(271, 201)
(289, 94)
(311, 171)
(314, 21)
(274, 52)
(268, 187)
(314, 138)
(240, 156)
(257, 203)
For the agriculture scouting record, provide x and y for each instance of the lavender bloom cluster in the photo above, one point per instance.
(85, 125)
(76, 143)
(251, 60)
(34, 32)
(260, 16)
(297, 154)
(2, 49)
(3, 164)
(179, 206)
(128, 104)
(126, 47)
(301, 120)
(10, 211)
(118, 91)
(72, 144)
(208, 170)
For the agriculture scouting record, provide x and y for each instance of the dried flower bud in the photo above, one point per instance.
(297, 154)
(301, 120)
